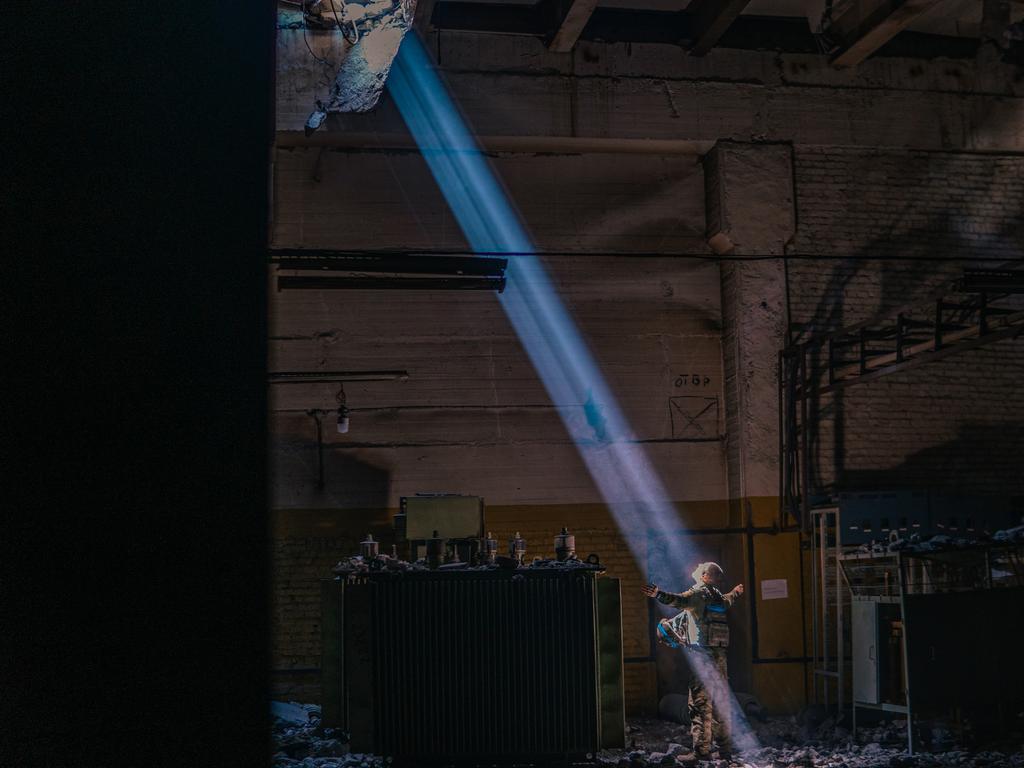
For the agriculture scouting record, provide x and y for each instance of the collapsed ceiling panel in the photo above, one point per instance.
(368, 34)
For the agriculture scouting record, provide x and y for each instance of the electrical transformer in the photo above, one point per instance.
(475, 664)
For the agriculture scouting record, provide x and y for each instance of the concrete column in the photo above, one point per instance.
(750, 211)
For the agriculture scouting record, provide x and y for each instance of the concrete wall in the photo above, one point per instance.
(331, 198)
(473, 416)
(885, 159)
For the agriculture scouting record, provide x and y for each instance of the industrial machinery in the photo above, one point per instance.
(934, 628)
(874, 521)
(455, 518)
(465, 655)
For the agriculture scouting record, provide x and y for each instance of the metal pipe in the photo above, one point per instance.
(327, 260)
(573, 145)
(814, 609)
(319, 283)
(840, 649)
(822, 546)
(906, 659)
(333, 377)
(782, 443)
(803, 620)
(805, 461)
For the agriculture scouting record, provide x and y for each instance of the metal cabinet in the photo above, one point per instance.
(879, 651)
(864, 621)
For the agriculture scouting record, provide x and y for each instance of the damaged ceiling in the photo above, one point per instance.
(356, 41)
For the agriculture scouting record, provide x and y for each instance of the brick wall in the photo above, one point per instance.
(298, 565)
(956, 424)
(865, 204)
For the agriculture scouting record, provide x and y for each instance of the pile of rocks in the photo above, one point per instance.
(939, 542)
(810, 740)
(299, 740)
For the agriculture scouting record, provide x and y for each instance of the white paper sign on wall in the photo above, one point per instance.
(774, 589)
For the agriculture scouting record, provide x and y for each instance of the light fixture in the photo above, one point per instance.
(330, 270)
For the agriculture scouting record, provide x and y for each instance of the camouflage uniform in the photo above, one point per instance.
(703, 627)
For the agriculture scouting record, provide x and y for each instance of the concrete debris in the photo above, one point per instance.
(316, 118)
(358, 566)
(1010, 534)
(571, 564)
(939, 542)
(292, 713)
(810, 740)
(356, 13)
(379, 28)
(304, 743)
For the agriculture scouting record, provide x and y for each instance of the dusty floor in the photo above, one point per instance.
(784, 741)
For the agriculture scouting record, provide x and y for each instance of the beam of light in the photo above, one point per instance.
(614, 459)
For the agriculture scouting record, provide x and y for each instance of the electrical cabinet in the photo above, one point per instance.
(878, 653)
(864, 625)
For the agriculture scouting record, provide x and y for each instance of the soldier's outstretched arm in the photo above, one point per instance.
(675, 599)
(733, 593)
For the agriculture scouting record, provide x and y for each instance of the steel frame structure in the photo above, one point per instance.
(982, 307)
(828, 666)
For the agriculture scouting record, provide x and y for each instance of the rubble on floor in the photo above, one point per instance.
(939, 542)
(811, 740)
(357, 565)
(300, 742)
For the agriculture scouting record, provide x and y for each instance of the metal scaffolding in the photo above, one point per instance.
(982, 307)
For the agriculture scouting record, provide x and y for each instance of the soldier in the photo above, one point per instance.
(702, 627)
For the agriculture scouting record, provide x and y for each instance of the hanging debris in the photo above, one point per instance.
(373, 31)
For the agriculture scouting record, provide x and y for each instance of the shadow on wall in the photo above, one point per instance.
(306, 546)
(982, 457)
(304, 477)
(866, 286)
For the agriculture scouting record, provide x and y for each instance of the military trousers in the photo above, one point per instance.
(710, 700)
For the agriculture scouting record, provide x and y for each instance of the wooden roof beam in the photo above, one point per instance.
(575, 17)
(711, 18)
(870, 24)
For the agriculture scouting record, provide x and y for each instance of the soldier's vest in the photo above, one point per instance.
(714, 623)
